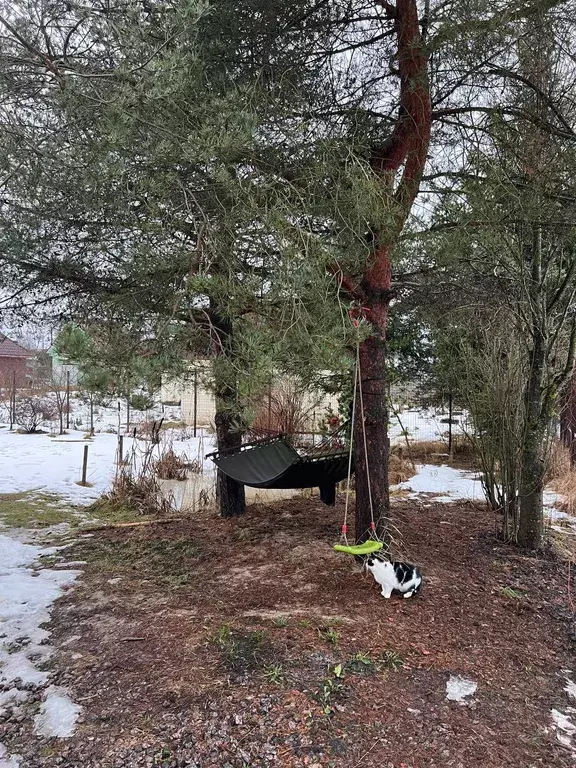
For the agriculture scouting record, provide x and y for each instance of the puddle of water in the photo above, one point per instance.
(198, 492)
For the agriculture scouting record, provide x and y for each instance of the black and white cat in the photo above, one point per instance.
(395, 577)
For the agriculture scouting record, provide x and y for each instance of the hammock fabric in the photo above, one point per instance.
(274, 463)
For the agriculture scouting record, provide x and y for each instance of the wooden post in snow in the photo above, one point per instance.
(85, 465)
(67, 399)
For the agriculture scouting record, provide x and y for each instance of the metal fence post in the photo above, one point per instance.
(195, 401)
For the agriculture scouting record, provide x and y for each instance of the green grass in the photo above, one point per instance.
(241, 651)
(362, 664)
(281, 621)
(331, 688)
(274, 673)
(104, 511)
(514, 594)
(35, 509)
(330, 635)
(167, 562)
(392, 660)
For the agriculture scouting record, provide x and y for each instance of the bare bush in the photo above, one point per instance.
(494, 373)
(288, 408)
(34, 411)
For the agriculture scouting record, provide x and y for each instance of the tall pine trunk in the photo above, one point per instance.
(531, 528)
(403, 152)
(230, 494)
(371, 431)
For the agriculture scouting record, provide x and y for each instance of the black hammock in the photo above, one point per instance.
(275, 463)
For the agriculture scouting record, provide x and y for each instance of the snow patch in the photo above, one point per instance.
(570, 688)
(13, 696)
(562, 721)
(58, 714)
(450, 484)
(6, 761)
(565, 728)
(55, 466)
(458, 688)
(25, 598)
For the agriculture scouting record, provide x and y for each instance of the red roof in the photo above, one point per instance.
(11, 349)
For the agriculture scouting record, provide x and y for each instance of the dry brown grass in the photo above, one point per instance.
(140, 494)
(171, 466)
(562, 477)
(558, 462)
(432, 450)
(400, 468)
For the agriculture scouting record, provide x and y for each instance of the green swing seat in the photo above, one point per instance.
(366, 548)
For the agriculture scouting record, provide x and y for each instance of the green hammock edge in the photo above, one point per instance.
(359, 549)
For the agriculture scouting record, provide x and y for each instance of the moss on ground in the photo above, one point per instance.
(105, 511)
(165, 561)
(35, 509)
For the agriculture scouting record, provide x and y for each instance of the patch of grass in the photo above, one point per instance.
(48, 750)
(330, 635)
(306, 623)
(281, 621)
(362, 664)
(106, 512)
(164, 754)
(331, 688)
(241, 651)
(140, 492)
(173, 425)
(435, 451)
(165, 561)
(34, 509)
(48, 561)
(274, 673)
(391, 660)
(513, 594)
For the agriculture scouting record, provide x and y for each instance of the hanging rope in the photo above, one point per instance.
(358, 388)
(344, 530)
(365, 441)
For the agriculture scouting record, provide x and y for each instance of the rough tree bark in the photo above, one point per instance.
(406, 149)
(531, 527)
(230, 494)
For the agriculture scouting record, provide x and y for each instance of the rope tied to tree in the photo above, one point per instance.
(373, 542)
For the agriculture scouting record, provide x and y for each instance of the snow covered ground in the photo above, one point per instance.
(27, 593)
(447, 484)
(27, 590)
(418, 425)
(54, 465)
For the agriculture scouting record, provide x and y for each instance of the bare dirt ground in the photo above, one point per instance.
(249, 642)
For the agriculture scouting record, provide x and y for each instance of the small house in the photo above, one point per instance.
(15, 363)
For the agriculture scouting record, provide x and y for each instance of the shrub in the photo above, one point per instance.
(141, 402)
(34, 411)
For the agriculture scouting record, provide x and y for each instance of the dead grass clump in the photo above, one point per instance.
(562, 477)
(559, 465)
(400, 468)
(426, 450)
(171, 466)
(139, 493)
